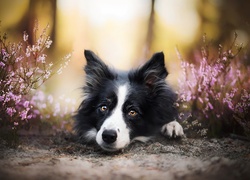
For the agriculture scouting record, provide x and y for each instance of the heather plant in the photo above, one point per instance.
(23, 69)
(55, 111)
(214, 91)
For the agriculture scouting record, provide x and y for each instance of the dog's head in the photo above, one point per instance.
(121, 106)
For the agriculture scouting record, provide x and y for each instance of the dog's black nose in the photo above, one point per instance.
(109, 136)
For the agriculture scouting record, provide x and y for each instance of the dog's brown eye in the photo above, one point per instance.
(132, 113)
(104, 108)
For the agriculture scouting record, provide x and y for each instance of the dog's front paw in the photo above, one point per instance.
(172, 129)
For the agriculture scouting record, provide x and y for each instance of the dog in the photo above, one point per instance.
(120, 107)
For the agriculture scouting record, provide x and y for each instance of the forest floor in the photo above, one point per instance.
(62, 157)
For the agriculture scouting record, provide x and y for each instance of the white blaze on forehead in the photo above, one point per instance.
(117, 115)
(116, 121)
(122, 94)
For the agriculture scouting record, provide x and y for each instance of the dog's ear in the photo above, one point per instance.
(96, 68)
(152, 71)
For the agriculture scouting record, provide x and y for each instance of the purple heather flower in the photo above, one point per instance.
(50, 99)
(28, 74)
(11, 111)
(25, 37)
(210, 106)
(2, 98)
(26, 104)
(2, 64)
(23, 114)
(19, 58)
(28, 51)
(57, 109)
(42, 58)
(48, 43)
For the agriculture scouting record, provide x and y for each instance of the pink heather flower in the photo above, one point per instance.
(218, 95)
(36, 112)
(2, 98)
(3, 51)
(34, 48)
(2, 64)
(232, 93)
(245, 96)
(22, 87)
(27, 52)
(199, 88)
(25, 36)
(10, 95)
(238, 73)
(59, 71)
(23, 114)
(200, 99)
(20, 80)
(188, 98)
(213, 81)
(29, 116)
(57, 109)
(28, 74)
(39, 96)
(48, 43)
(6, 99)
(224, 58)
(228, 101)
(47, 74)
(5, 55)
(26, 104)
(50, 99)
(21, 69)
(19, 58)
(17, 98)
(210, 106)
(11, 111)
(39, 41)
(15, 123)
(39, 71)
(43, 106)
(11, 74)
(8, 82)
(42, 58)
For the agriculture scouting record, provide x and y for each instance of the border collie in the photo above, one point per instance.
(120, 107)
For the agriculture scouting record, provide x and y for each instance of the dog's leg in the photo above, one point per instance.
(172, 129)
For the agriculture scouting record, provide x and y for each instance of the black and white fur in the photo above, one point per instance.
(120, 107)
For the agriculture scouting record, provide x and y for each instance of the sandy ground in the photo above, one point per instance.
(61, 157)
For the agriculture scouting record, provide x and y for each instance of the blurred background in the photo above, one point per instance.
(124, 33)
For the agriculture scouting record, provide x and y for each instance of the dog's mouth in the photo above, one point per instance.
(110, 148)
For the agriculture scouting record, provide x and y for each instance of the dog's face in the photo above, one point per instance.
(119, 107)
(115, 114)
